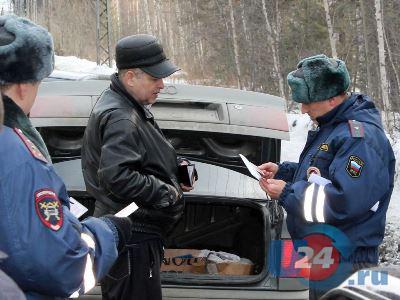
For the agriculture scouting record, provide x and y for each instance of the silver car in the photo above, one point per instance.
(227, 211)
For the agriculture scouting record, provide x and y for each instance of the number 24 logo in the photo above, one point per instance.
(323, 257)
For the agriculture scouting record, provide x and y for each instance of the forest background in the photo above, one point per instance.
(246, 44)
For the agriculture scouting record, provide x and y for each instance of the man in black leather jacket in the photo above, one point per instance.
(126, 158)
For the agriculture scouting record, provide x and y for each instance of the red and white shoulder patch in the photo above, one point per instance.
(49, 209)
(31, 146)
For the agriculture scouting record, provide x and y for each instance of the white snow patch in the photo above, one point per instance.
(298, 126)
(79, 65)
(394, 206)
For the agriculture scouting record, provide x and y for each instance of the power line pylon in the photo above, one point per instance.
(103, 38)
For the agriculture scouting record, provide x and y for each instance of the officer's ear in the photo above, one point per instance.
(335, 101)
(24, 95)
(22, 90)
(332, 102)
(29, 90)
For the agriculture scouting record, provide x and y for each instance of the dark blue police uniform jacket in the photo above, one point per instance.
(357, 159)
(51, 255)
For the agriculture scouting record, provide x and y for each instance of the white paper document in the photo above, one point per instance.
(127, 211)
(76, 208)
(254, 170)
(314, 178)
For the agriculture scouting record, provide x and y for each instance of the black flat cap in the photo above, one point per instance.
(145, 52)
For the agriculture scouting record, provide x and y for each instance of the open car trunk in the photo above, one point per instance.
(235, 226)
(226, 212)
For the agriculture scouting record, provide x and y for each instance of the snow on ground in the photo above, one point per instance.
(298, 125)
(74, 64)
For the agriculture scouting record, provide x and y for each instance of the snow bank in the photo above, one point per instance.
(298, 125)
(74, 64)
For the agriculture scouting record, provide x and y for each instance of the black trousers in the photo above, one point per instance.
(136, 273)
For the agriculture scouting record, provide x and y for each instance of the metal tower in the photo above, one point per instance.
(103, 38)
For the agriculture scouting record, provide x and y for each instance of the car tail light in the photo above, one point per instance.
(288, 260)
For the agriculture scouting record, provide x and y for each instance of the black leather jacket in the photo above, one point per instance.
(126, 158)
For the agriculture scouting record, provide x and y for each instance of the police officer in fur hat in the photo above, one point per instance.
(8, 289)
(344, 177)
(51, 255)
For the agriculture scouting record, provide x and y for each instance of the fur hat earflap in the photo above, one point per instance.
(318, 78)
(26, 51)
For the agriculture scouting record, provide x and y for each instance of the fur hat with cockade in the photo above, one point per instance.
(318, 78)
(26, 51)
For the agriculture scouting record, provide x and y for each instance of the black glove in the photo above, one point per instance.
(170, 197)
(123, 226)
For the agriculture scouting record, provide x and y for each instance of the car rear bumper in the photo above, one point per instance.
(175, 293)
(201, 293)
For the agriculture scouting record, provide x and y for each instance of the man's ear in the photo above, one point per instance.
(129, 77)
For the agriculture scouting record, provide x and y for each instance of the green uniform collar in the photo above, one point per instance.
(14, 117)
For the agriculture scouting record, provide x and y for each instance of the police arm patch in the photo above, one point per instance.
(354, 166)
(49, 209)
(30, 145)
(324, 147)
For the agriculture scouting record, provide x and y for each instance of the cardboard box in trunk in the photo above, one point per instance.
(183, 260)
(189, 261)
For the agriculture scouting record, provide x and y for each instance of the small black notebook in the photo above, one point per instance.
(186, 174)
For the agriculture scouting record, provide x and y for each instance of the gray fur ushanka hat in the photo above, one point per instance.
(318, 78)
(26, 51)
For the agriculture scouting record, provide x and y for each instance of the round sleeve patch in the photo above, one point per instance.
(49, 209)
(354, 166)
